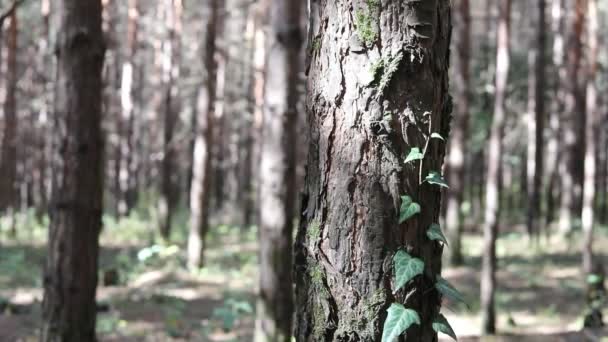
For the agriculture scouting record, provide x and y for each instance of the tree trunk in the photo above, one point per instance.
(171, 109)
(277, 187)
(458, 139)
(127, 173)
(591, 135)
(554, 145)
(494, 166)
(536, 127)
(8, 157)
(71, 271)
(200, 192)
(378, 88)
(571, 166)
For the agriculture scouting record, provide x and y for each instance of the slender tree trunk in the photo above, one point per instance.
(364, 122)
(536, 127)
(126, 175)
(200, 192)
(571, 167)
(71, 270)
(591, 135)
(278, 172)
(493, 183)
(171, 109)
(8, 157)
(458, 139)
(554, 145)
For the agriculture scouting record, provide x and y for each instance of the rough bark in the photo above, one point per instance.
(8, 156)
(494, 166)
(200, 191)
(277, 188)
(591, 136)
(571, 166)
(71, 270)
(536, 126)
(458, 138)
(364, 119)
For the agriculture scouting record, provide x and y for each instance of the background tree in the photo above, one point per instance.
(200, 191)
(495, 159)
(458, 139)
(70, 278)
(277, 190)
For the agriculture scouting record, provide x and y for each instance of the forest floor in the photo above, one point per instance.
(540, 295)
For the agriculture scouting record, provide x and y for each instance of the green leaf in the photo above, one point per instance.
(408, 209)
(448, 290)
(437, 136)
(441, 325)
(414, 154)
(406, 268)
(398, 320)
(434, 233)
(435, 178)
(593, 279)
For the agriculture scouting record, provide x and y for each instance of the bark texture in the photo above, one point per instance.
(200, 190)
(378, 87)
(277, 187)
(71, 271)
(494, 167)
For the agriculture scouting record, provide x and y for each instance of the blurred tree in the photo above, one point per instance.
(170, 105)
(8, 156)
(200, 191)
(494, 166)
(377, 89)
(278, 171)
(536, 115)
(70, 276)
(460, 130)
(572, 162)
(591, 135)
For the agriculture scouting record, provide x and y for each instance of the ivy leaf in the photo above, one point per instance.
(398, 320)
(414, 154)
(408, 209)
(435, 178)
(437, 136)
(434, 233)
(441, 325)
(448, 290)
(406, 268)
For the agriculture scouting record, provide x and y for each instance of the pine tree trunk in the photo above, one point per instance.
(171, 109)
(458, 139)
(200, 191)
(71, 270)
(536, 111)
(494, 166)
(127, 173)
(378, 87)
(277, 187)
(8, 154)
(571, 166)
(591, 136)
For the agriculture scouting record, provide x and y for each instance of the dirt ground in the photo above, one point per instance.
(540, 295)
